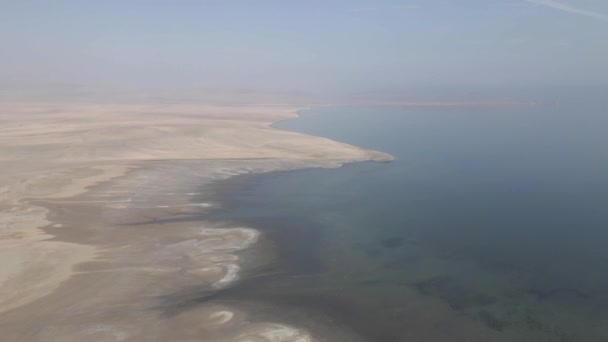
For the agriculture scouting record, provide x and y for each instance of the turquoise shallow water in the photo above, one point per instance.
(490, 225)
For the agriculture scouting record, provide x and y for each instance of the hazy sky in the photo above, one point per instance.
(313, 44)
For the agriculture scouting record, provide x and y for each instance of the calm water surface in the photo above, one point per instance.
(495, 218)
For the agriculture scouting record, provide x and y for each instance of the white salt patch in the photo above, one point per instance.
(204, 205)
(58, 225)
(276, 333)
(250, 236)
(231, 274)
(222, 317)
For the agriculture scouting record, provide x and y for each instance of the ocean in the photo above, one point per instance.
(490, 225)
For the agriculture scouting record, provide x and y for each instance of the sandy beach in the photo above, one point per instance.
(95, 240)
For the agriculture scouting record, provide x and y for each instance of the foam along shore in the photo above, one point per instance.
(75, 174)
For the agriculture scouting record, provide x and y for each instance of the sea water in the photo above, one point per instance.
(493, 217)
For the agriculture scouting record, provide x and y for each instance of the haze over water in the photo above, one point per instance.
(497, 213)
(489, 226)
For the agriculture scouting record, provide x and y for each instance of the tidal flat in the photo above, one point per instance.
(103, 237)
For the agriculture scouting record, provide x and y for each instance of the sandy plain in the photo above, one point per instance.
(93, 245)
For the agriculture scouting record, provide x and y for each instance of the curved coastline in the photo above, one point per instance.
(382, 157)
(105, 214)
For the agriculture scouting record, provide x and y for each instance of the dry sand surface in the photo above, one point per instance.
(96, 243)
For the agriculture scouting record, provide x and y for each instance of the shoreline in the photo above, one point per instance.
(94, 196)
